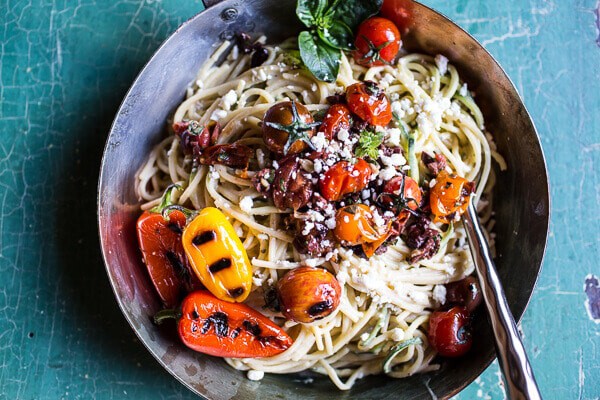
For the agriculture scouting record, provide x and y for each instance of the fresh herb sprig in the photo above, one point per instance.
(330, 25)
(368, 144)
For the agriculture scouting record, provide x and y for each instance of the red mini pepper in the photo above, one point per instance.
(223, 329)
(162, 252)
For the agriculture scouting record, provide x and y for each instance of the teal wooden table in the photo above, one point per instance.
(64, 68)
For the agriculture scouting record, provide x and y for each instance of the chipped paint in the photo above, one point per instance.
(597, 15)
(591, 287)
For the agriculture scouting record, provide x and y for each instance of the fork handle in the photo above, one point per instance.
(518, 375)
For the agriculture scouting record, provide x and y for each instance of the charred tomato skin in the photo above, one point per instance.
(369, 103)
(307, 294)
(338, 117)
(283, 114)
(450, 332)
(412, 193)
(377, 42)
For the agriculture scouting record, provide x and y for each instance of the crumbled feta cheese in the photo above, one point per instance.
(378, 219)
(254, 375)
(246, 204)
(308, 226)
(463, 90)
(330, 223)
(218, 114)
(439, 294)
(229, 99)
(319, 141)
(442, 64)
(397, 109)
(343, 135)
(387, 173)
(393, 137)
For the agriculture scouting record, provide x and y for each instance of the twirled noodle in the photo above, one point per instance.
(386, 289)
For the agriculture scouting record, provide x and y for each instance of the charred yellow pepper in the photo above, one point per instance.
(217, 256)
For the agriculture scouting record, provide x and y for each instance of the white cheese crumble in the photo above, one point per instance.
(218, 114)
(442, 64)
(463, 90)
(246, 204)
(254, 375)
(229, 99)
(393, 137)
(439, 294)
(319, 141)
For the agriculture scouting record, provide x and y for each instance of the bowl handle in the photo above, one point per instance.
(210, 3)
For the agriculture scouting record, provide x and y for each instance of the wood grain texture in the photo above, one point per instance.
(64, 68)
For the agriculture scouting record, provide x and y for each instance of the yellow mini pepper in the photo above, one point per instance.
(217, 256)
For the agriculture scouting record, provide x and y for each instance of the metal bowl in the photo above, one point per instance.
(522, 201)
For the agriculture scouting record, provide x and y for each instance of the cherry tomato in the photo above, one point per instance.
(287, 128)
(338, 117)
(412, 193)
(449, 197)
(354, 225)
(369, 102)
(344, 178)
(449, 332)
(377, 42)
(307, 294)
(465, 292)
(400, 12)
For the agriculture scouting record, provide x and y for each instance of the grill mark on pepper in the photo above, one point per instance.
(220, 322)
(174, 227)
(252, 328)
(237, 292)
(175, 262)
(204, 237)
(319, 308)
(219, 265)
(235, 332)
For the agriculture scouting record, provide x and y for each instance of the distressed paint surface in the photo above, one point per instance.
(65, 66)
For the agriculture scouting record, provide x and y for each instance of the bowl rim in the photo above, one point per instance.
(209, 4)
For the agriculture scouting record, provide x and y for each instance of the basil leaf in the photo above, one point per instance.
(320, 59)
(353, 12)
(310, 11)
(337, 35)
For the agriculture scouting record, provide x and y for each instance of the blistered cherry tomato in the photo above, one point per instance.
(287, 128)
(338, 117)
(344, 178)
(354, 225)
(465, 292)
(450, 197)
(449, 332)
(412, 193)
(377, 42)
(369, 102)
(307, 294)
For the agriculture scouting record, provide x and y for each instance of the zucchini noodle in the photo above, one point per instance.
(386, 301)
